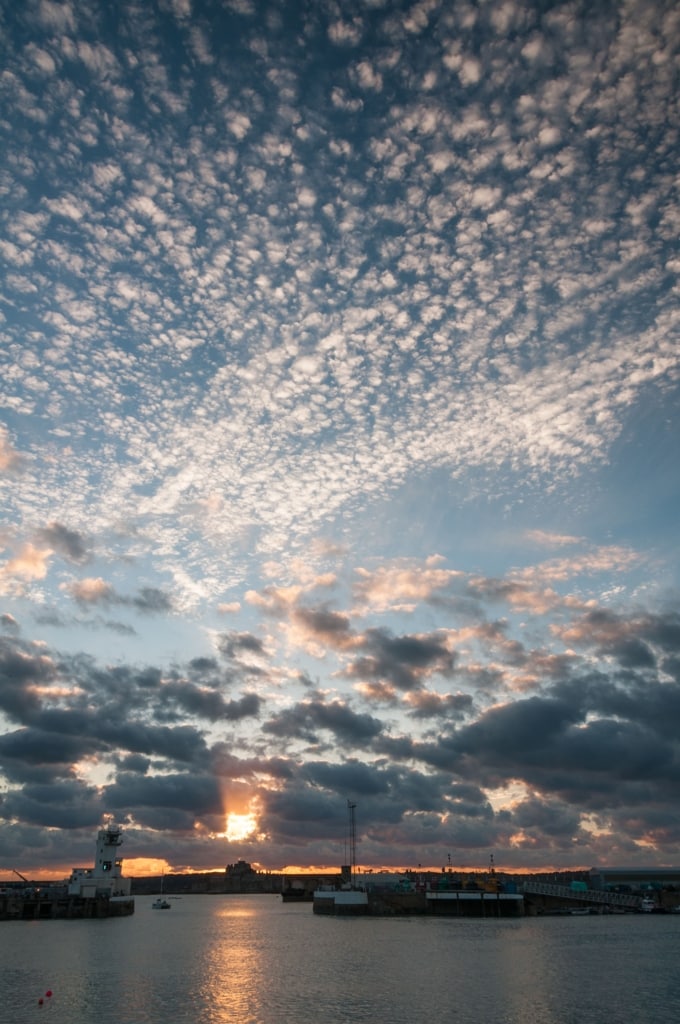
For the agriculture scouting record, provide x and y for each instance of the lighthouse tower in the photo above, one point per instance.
(106, 877)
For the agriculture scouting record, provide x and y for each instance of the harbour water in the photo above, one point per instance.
(256, 960)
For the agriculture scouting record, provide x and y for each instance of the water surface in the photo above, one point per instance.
(256, 960)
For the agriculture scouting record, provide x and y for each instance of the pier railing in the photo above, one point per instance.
(565, 892)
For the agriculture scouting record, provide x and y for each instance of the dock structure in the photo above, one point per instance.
(349, 898)
(99, 891)
(485, 895)
(465, 903)
(401, 894)
(540, 895)
(348, 902)
(453, 903)
(47, 904)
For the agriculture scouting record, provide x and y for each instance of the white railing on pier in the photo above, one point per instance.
(565, 892)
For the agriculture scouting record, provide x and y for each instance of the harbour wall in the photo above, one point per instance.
(45, 907)
(405, 904)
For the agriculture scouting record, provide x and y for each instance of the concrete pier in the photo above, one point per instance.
(45, 907)
(454, 903)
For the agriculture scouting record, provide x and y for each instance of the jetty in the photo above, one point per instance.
(453, 903)
(99, 891)
(384, 894)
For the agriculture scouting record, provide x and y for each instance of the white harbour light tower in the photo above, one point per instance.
(106, 877)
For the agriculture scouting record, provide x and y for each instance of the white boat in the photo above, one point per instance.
(160, 903)
(647, 905)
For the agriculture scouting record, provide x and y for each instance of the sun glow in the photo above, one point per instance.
(240, 826)
(145, 866)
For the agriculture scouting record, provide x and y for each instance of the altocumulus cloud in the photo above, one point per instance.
(338, 431)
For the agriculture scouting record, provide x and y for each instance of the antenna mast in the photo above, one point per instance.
(352, 841)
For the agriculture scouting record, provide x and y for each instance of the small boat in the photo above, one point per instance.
(293, 895)
(160, 903)
(647, 905)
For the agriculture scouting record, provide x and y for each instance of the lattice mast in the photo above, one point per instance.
(351, 808)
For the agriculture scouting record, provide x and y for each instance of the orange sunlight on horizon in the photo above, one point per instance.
(141, 867)
(35, 874)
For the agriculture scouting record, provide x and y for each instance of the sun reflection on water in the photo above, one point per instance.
(233, 969)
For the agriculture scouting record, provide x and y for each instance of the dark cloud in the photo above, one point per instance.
(326, 626)
(68, 543)
(181, 744)
(671, 667)
(246, 706)
(496, 589)
(351, 778)
(233, 645)
(634, 654)
(49, 617)
(398, 748)
(440, 706)
(625, 697)
(93, 592)
(62, 804)
(57, 734)
(593, 764)
(522, 730)
(134, 763)
(174, 801)
(307, 718)
(402, 661)
(395, 806)
(122, 628)
(601, 741)
(22, 672)
(301, 814)
(55, 751)
(634, 641)
(203, 666)
(662, 630)
(150, 678)
(151, 601)
(53, 618)
(208, 704)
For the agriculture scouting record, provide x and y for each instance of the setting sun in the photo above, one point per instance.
(240, 826)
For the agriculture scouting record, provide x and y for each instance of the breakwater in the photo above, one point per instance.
(46, 906)
(455, 903)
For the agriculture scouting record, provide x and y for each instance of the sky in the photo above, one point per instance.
(339, 381)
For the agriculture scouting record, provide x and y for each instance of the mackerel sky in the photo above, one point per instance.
(339, 454)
